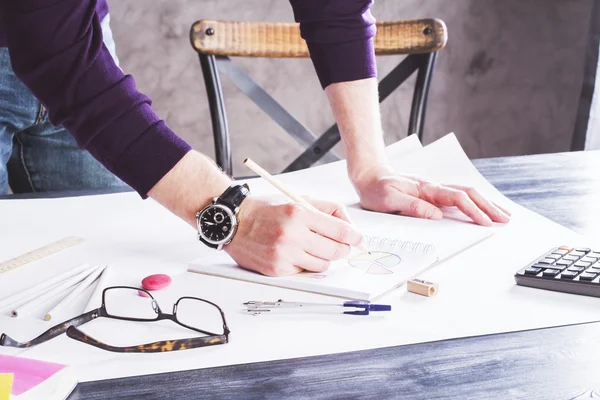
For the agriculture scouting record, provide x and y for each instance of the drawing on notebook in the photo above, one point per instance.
(383, 258)
(376, 263)
(394, 246)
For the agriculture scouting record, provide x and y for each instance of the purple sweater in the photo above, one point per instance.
(56, 49)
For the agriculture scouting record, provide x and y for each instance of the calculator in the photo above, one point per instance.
(564, 269)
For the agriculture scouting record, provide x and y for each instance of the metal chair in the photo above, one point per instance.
(217, 41)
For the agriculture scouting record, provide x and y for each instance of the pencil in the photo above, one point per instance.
(63, 287)
(35, 291)
(76, 292)
(285, 190)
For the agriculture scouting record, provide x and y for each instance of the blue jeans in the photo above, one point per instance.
(36, 156)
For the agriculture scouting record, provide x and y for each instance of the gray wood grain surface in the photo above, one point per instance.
(553, 363)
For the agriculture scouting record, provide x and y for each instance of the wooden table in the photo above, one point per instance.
(554, 363)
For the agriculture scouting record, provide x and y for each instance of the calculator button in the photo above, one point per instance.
(553, 257)
(595, 254)
(568, 275)
(593, 270)
(546, 260)
(583, 264)
(575, 269)
(564, 263)
(532, 271)
(565, 248)
(541, 265)
(589, 259)
(558, 267)
(577, 253)
(570, 258)
(553, 272)
(560, 252)
(586, 276)
(555, 267)
(584, 250)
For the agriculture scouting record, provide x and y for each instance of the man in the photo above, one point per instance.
(57, 51)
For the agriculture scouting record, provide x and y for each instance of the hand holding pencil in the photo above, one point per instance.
(284, 239)
(288, 192)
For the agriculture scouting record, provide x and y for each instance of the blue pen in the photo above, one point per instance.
(363, 307)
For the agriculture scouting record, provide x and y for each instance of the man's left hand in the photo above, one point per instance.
(382, 189)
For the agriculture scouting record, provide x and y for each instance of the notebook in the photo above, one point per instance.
(361, 276)
(34, 379)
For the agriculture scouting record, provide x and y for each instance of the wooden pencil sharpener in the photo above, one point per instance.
(422, 287)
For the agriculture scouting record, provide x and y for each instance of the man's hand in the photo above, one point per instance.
(356, 110)
(272, 239)
(285, 239)
(382, 189)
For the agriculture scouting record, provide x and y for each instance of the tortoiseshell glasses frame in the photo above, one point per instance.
(70, 327)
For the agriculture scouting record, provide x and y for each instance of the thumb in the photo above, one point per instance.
(412, 206)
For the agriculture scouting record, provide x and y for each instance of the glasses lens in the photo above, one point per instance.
(128, 303)
(200, 315)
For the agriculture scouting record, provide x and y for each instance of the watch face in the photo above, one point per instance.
(216, 224)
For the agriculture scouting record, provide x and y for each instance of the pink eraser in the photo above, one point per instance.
(156, 282)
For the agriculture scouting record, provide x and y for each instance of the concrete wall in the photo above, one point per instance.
(508, 83)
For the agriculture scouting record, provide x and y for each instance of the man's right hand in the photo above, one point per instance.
(273, 239)
(285, 239)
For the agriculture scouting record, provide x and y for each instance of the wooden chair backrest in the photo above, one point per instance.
(283, 40)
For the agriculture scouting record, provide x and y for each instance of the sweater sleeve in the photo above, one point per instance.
(57, 50)
(339, 35)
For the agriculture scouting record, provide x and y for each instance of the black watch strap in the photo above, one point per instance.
(234, 195)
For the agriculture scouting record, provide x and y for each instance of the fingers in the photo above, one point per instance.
(412, 206)
(450, 197)
(308, 262)
(314, 255)
(325, 248)
(496, 213)
(333, 228)
(502, 208)
(330, 208)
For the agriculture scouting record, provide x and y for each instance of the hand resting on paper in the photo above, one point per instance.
(285, 239)
(382, 189)
(356, 110)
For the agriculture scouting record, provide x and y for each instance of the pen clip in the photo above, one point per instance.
(261, 304)
(258, 307)
(365, 306)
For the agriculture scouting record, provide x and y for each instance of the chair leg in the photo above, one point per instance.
(419, 103)
(218, 115)
(588, 88)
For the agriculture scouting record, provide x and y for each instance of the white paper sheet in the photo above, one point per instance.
(477, 291)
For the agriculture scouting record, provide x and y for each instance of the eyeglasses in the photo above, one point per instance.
(134, 304)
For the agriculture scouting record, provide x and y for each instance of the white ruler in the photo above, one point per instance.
(40, 253)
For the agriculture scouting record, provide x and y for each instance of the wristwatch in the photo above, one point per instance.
(217, 223)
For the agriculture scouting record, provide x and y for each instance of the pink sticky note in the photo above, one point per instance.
(28, 373)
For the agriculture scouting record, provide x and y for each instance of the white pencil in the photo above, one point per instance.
(287, 191)
(78, 290)
(32, 305)
(33, 292)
